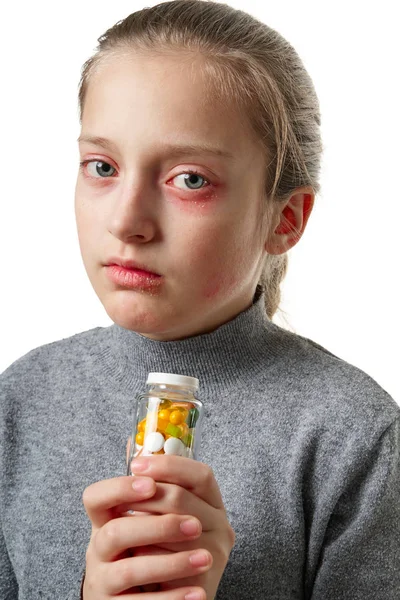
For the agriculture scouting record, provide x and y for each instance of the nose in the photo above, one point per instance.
(133, 216)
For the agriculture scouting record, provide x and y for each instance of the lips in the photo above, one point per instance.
(133, 265)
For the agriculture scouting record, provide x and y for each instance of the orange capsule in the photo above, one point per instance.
(140, 438)
(182, 407)
(142, 425)
(176, 417)
(164, 404)
(162, 425)
(164, 414)
(184, 430)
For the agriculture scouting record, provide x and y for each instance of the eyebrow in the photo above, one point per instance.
(171, 149)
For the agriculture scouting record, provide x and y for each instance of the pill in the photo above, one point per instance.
(173, 430)
(140, 438)
(165, 404)
(142, 425)
(154, 441)
(174, 446)
(193, 417)
(187, 439)
(162, 425)
(176, 417)
(164, 414)
(184, 430)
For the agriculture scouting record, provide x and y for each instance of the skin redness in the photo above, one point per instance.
(172, 182)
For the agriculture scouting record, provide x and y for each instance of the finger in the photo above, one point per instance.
(102, 500)
(204, 541)
(171, 585)
(175, 594)
(119, 534)
(177, 500)
(193, 475)
(153, 550)
(126, 573)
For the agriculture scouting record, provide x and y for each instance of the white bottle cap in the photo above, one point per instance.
(172, 379)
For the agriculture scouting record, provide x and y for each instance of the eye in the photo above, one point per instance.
(105, 168)
(191, 180)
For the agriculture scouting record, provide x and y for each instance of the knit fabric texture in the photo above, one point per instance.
(304, 446)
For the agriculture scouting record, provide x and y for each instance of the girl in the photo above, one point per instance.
(200, 155)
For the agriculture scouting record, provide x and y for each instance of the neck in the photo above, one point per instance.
(218, 358)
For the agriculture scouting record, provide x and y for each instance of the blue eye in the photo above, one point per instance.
(192, 178)
(105, 168)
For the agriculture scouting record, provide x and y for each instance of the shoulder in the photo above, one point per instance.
(331, 389)
(41, 363)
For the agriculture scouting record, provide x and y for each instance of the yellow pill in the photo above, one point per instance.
(162, 425)
(164, 404)
(164, 414)
(182, 406)
(140, 438)
(184, 430)
(142, 425)
(176, 417)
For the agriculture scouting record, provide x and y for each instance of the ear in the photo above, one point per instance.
(292, 219)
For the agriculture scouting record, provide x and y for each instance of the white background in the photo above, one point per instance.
(342, 288)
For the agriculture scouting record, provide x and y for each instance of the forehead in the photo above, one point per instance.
(164, 99)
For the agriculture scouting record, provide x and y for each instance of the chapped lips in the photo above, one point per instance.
(130, 264)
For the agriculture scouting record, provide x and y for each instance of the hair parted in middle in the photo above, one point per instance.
(250, 65)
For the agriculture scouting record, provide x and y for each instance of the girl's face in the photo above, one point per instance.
(137, 200)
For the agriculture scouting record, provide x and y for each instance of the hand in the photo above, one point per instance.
(110, 569)
(188, 487)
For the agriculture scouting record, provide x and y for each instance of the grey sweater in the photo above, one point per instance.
(304, 446)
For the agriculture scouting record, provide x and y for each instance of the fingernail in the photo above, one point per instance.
(142, 485)
(199, 559)
(194, 596)
(139, 465)
(190, 527)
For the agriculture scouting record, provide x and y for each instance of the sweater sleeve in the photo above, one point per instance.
(76, 593)
(8, 583)
(360, 557)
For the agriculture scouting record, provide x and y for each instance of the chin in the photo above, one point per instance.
(141, 321)
(137, 314)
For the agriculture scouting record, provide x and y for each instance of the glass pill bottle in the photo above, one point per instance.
(168, 418)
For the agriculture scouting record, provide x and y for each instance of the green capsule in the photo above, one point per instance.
(173, 430)
(193, 417)
(188, 440)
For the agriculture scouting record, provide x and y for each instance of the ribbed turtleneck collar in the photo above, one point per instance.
(216, 358)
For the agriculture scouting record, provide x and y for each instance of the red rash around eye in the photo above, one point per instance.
(195, 201)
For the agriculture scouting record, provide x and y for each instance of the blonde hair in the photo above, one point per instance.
(253, 67)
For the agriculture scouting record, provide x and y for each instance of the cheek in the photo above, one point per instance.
(221, 263)
(87, 230)
(220, 284)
